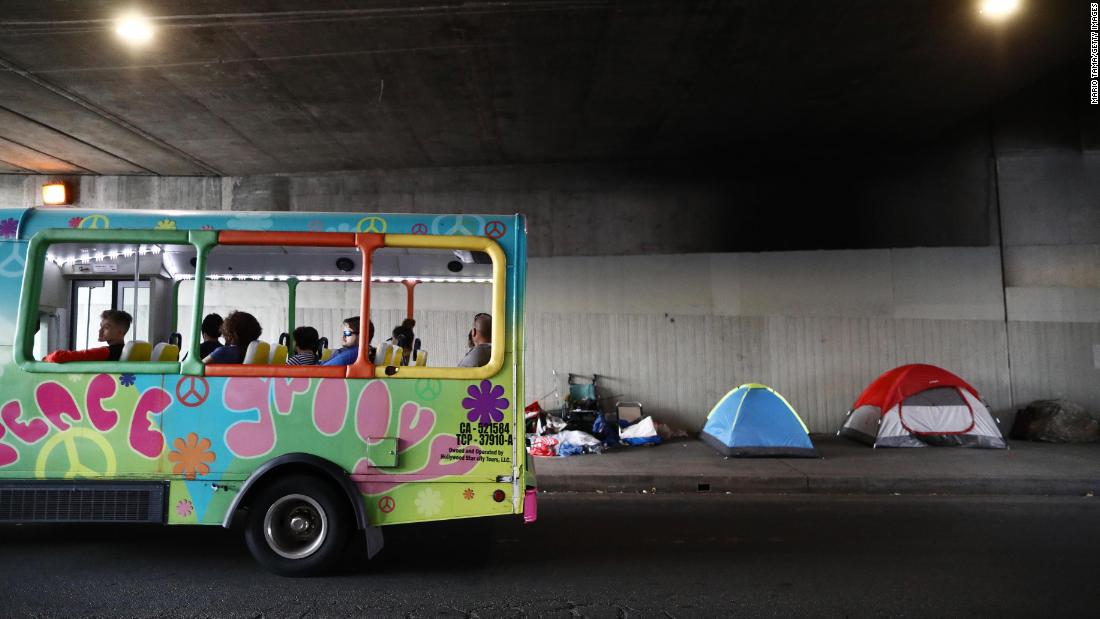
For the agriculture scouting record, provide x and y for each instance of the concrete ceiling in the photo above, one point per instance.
(273, 86)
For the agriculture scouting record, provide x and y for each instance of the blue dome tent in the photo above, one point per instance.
(754, 420)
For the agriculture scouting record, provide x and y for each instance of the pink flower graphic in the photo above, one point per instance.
(184, 508)
(75, 222)
(485, 404)
(8, 227)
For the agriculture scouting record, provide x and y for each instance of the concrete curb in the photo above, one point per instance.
(847, 468)
(820, 485)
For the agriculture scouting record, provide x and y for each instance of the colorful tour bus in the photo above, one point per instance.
(301, 456)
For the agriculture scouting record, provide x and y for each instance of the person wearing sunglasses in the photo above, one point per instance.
(480, 340)
(350, 350)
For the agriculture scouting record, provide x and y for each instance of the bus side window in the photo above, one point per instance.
(442, 290)
(82, 275)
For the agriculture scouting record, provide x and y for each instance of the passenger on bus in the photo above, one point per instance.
(307, 341)
(240, 329)
(350, 351)
(211, 329)
(404, 337)
(113, 325)
(480, 339)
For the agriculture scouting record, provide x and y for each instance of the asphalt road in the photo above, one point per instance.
(602, 556)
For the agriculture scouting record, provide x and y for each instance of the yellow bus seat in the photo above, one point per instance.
(326, 354)
(136, 350)
(393, 355)
(165, 352)
(258, 353)
(279, 354)
(420, 358)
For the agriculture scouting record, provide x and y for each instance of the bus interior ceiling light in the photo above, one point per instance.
(56, 194)
(134, 29)
(999, 9)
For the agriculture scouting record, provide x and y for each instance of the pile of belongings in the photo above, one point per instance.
(552, 439)
(565, 443)
(1056, 421)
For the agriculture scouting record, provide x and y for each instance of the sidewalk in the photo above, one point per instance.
(687, 465)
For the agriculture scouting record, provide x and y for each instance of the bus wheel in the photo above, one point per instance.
(298, 526)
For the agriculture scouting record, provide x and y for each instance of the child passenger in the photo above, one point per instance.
(240, 329)
(211, 329)
(306, 340)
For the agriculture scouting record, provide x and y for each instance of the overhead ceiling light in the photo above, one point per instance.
(134, 29)
(999, 9)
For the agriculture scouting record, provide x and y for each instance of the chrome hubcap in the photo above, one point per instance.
(295, 526)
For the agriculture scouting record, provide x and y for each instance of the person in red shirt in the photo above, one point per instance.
(113, 325)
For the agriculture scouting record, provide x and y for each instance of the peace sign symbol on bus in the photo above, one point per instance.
(76, 468)
(495, 229)
(94, 222)
(192, 391)
(386, 504)
(371, 224)
(420, 229)
(429, 388)
(12, 266)
(467, 225)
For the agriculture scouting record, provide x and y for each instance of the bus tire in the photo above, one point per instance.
(298, 526)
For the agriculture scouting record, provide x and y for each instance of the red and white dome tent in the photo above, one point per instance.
(919, 405)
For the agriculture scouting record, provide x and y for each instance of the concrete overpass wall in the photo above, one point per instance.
(1051, 208)
(1048, 156)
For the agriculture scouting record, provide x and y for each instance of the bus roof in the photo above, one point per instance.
(22, 223)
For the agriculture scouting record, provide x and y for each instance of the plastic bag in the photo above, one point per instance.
(643, 432)
(578, 438)
(570, 449)
(607, 432)
(575, 442)
(544, 446)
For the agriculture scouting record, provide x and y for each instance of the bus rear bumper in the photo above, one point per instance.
(530, 506)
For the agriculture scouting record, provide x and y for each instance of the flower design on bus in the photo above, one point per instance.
(191, 456)
(485, 404)
(429, 502)
(468, 494)
(316, 225)
(165, 224)
(127, 380)
(184, 508)
(75, 222)
(207, 227)
(8, 227)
